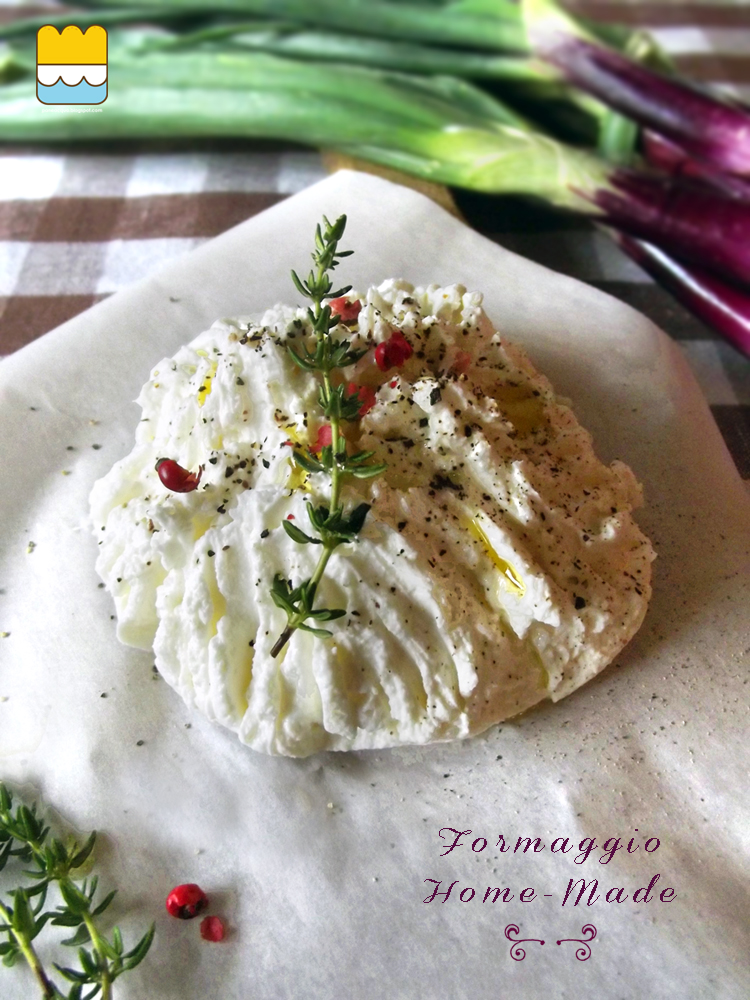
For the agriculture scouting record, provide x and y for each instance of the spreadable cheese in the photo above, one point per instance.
(499, 564)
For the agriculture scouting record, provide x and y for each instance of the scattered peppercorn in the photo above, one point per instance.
(212, 929)
(186, 901)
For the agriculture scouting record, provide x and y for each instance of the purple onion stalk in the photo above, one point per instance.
(705, 126)
(723, 307)
(664, 155)
(684, 217)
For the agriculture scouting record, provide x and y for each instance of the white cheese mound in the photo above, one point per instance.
(499, 564)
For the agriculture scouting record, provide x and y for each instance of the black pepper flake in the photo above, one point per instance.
(266, 464)
(229, 472)
(139, 743)
(265, 533)
(96, 447)
(401, 525)
(468, 431)
(424, 421)
(580, 603)
(240, 381)
(435, 395)
(210, 553)
(213, 460)
(440, 482)
(221, 510)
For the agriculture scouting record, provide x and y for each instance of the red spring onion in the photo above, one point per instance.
(707, 127)
(671, 159)
(687, 218)
(721, 306)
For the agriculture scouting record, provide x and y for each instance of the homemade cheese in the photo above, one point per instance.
(499, 564)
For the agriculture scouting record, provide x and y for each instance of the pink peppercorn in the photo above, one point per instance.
(365, 394)
(186, 901)
(324, 438)
(344, 309)
(177, 479)
(394, 352)
(212, 929)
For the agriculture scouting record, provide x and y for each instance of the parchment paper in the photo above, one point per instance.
(319, 866)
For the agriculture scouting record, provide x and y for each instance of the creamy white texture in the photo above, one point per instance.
(499, 564)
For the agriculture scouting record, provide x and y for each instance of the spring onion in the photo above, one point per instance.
(440, 128)
(723, 307)
(501, 30)
(705, 126)
(670, 159)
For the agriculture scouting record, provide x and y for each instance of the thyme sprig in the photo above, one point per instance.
(24, 837)
(332, 526)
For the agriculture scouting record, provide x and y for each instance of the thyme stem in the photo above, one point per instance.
(101, 955)
(56, 862)
(49, 992)
(333, 526)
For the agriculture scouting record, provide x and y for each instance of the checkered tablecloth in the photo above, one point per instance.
(78, 224)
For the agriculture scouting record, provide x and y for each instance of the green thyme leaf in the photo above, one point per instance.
(78, 859)
(72, 975)
(368, 471)
(80, 937)
(297, 535)
(321, 633)
(308, 364)
(136, 956)
(308, 463)
(327, 614)
(11, 957)
(23, 918)
(357, 517)
(104, 903)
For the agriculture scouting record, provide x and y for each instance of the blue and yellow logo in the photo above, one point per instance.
(71, 67)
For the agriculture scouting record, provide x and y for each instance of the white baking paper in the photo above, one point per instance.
(319, 866)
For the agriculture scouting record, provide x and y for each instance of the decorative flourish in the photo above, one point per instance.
(24, 838)
(332, 526)
(517, 953)
(584, 952)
